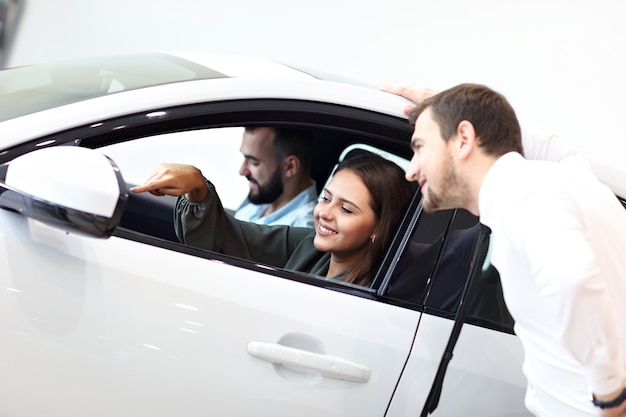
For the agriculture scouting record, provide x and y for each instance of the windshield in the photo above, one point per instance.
(32, 88)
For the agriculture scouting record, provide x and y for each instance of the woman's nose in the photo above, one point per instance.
(324, 211)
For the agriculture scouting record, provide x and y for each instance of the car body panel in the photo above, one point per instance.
(109, 323)
(484, 372)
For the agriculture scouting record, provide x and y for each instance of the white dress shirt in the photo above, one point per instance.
(298, 212)
(559, 243)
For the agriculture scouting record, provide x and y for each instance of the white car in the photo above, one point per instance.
(104, 313)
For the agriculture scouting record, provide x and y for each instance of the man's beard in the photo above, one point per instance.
(448, 195)
(268, 192)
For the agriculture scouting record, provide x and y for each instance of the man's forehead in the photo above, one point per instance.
(257, 143)
(425, 126)
(264, 134)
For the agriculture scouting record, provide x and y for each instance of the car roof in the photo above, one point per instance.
(228, 78)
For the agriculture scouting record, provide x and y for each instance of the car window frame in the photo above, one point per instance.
(379, 129)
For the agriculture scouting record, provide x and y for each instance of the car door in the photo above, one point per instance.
(118, 327)
(140, 325)
(481, 372)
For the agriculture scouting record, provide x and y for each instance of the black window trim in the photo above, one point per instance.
(376, 127)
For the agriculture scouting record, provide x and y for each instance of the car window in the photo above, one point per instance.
(416, 277)
(488, 307)
(453, 261)
(200, 131)
(32, 88)
(435, 265)
(214, 151)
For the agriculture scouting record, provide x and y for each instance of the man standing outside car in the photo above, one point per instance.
(277, 165)
(558, 240)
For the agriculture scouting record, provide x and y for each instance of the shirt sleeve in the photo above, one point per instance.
(541, 144)
(206, 225)
(574, 292)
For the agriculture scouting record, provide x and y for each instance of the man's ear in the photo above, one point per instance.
(467, 137)
(291, 166)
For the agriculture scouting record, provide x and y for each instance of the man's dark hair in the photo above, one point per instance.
(493, 118)
(291, 141)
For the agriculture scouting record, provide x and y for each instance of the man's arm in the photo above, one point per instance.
(538, 143)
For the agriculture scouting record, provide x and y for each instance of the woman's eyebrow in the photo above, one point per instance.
(345, 200)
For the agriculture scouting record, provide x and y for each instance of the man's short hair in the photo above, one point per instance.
(493, 118)
(291, 141)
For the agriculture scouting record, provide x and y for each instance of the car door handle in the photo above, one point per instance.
(328, 366)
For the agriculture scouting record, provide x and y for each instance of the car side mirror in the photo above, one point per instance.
(72, 188)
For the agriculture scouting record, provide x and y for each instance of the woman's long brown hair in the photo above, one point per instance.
(390, 194)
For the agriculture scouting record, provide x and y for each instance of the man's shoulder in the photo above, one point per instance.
(248, 211)
(309, 195)
(299, 211)
(300, 216)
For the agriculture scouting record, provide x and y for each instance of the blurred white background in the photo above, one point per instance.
(559, 62)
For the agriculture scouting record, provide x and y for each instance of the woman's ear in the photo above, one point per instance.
(468, 139)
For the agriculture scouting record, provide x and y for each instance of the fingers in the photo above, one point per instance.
(141, 188)
(159, 178)
(400, 90)
(172, 179)
(407, 92)
(151, 187)
(408, 109)
(414, 94)
(428, 93)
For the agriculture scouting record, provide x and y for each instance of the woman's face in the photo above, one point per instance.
(344, 219)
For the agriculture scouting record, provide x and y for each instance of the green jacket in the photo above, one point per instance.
(206, 225)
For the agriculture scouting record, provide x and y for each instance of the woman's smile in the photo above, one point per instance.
(323, 230)
(344, 218)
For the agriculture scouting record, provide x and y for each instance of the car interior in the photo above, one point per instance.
(152, 215)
